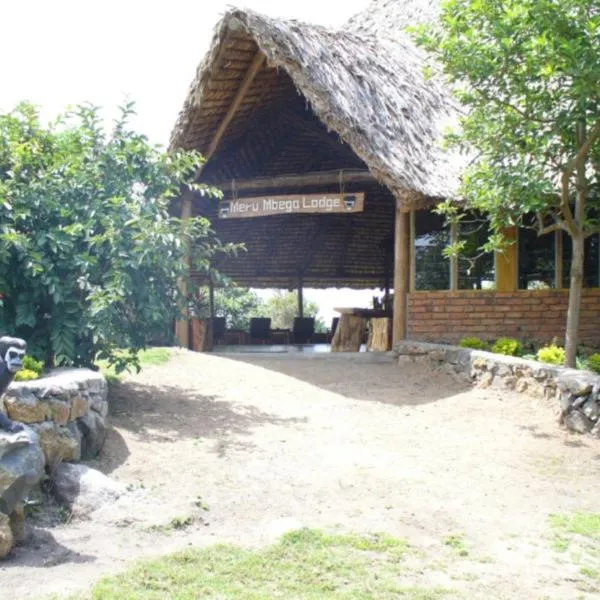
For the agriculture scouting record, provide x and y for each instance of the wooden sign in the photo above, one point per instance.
(266, 206)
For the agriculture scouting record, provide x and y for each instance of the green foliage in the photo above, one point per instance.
(237, 305)
(507, 346)
(473, 342)
(306, 564)
(89, 253)
(526, 71)
(26, 375)
(145, 358)
(552, 354)
(31, 364)
(282, 308)
(593, 362)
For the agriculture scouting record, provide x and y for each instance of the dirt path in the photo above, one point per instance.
(266, 443)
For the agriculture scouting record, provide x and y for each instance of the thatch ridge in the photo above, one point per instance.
(369, 89)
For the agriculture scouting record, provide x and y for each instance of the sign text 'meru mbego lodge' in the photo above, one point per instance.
(264, 206)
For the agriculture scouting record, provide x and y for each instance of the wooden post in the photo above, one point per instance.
(558, 260)
(453, 259)
(507, 264)
(401, 272)
(211, 298)
(182, 327)
(300, 296)
(413, 254)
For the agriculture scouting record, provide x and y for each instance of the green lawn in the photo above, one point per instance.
(305, 564)
(148, 357)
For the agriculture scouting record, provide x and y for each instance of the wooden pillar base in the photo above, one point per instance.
(202, 338)
(380, 337)
(349, 334)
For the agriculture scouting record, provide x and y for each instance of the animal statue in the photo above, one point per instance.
(12, 351)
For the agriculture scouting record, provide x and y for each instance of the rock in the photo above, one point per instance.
(26, 407)
(58, 443)
(577, 383)
(521, 386)
(437, 356)
(17, 523)
(93, 431)
(6, 536)
(566, 399)
(79, 406)
(59, 411)
(577, 421)
(21, 467)
(83, 490)
(591, 409)
(486, 380)
(479, 363)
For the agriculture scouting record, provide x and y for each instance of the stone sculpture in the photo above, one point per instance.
(12, 351)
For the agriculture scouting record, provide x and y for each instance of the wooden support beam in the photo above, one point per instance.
(453, 259)
(211, 298)
(182, 327)
(300, 295)
(413, 254)
(558, 259)
(401, 272)
(253, 69)
(507, 263)
(307, 179)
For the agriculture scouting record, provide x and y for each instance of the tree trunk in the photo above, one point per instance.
(575, 288)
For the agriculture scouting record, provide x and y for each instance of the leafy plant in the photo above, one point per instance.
(507, 346)
(473, 342)
(31, 364)
(593, 362)
(90, 255)
(26, 375)
(552, 354)
(526, 73)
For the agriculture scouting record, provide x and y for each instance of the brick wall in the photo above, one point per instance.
(535, 316)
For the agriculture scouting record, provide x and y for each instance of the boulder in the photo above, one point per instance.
(6, 536)
(58, 443)
(93, 430)
(577, 421)
(576, 382)
(26, 407)
(82, 489)
(21, 467)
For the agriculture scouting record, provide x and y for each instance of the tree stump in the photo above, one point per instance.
(202, 338)
(380, 338)
(349, 334)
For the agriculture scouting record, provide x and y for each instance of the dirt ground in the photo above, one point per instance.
(247, 446)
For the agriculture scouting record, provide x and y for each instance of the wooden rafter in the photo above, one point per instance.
(253, 69)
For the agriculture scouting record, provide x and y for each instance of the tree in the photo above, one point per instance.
(527, 73)
(237, 305)
(282, 308)
(89, 254)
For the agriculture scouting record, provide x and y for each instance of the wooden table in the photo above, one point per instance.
(352, 326)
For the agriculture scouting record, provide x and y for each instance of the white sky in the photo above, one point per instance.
(59, 52)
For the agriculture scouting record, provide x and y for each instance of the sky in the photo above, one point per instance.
(56, 53)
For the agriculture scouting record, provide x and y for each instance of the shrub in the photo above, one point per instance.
(31, 364)
(593, 362)
(473, 342)
(553, 355)
(507, 346)
(26, 375)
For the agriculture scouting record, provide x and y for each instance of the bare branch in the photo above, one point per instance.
(583, 150)
(542, 229)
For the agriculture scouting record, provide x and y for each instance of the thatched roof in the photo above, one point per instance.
(323, 100)
(368, 89)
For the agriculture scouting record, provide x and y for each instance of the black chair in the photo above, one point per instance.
(218, 324)
(304, 327)
(260, 329)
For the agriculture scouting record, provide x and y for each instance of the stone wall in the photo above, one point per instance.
(66, 408)
(530, 316)
(575, 394)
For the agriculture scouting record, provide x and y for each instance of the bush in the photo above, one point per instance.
(552, 355)
(593, 362)
(26, 375)
(507, 346)
(30, 364)
(473, 342)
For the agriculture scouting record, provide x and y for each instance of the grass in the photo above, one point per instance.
(148, 358)
(457, 543)
(305, 564)
(580, 533)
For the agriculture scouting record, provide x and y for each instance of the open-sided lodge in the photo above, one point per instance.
(326, 144)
